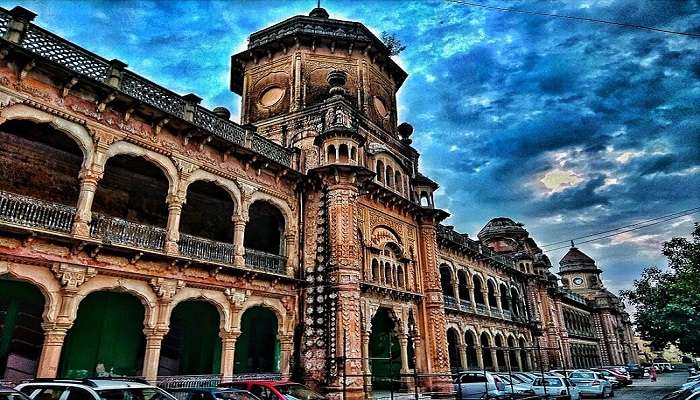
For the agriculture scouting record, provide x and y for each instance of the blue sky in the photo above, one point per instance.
(568, 127)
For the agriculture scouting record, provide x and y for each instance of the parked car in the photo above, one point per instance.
(623, 380)
(7, 393)
(212, 394)
(663, 367)
(635, 370)
(592, 383)
(276, 390)
(475, 384)
(514, 384)
(526, 376)
(554, 386)
(93, 388)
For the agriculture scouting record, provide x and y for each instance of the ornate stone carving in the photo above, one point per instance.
(166, 289)
(72, 276)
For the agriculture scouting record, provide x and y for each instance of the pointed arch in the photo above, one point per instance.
(161, 161)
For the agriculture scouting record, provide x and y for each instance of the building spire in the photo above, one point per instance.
(572, 242)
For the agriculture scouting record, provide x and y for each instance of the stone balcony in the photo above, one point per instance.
(465, 306)
(27, 213)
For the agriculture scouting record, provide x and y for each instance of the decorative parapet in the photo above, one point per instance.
(447, 235)
(85, 64)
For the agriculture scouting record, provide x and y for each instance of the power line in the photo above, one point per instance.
(684, 212)
(595, 20)
(621, 232)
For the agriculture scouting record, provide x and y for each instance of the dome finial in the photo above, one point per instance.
(319, 12)
(572, 244)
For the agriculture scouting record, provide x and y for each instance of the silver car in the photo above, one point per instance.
(476, 384)
(592, 383)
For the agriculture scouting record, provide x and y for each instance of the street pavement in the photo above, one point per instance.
(643, 389)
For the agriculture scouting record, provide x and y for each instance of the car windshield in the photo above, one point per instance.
(295, 391)
(12, 396)
(235, 395)
(133, 394)
(547, 382)
(472, 378)
(583, 375)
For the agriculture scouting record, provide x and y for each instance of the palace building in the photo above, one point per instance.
(142, 234)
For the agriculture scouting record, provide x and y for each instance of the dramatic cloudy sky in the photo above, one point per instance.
(568, 127)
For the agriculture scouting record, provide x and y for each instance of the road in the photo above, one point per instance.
(643, 389)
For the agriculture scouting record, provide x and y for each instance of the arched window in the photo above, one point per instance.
(343, 153)
(486, 350)
(446, 280)
(478, 291)
(389, 176)
(265, 228)
(375, 270)
(398, 181)
(491, 293)
(424, 199)
(353, 153)
(330, 154)
(453, 349)
(515, 301)
(462, 287)
(391, 263)
(388, 276)
(380, 171)
(400, 278)
(504, 297)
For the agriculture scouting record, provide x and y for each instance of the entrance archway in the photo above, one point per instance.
(257, 349)
(453, 349)
(21, 337)
(106, 338)
(384, 351)
(485, 342)
(470, 341)
(523, 355)
(192, 345)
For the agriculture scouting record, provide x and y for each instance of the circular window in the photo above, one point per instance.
(578, 281)
(271, 96)
(380, 107)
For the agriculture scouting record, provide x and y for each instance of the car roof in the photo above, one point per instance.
(92, 383)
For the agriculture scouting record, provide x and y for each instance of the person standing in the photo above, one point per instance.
(652, 373)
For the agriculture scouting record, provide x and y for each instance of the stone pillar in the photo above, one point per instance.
(238, 239)
(151, 357)
(433, 315)
(499, 303)
(480, 357)
(463, 356)
(228, 353)
(472, 297)
(54, 336)
(89, 177)
(455, 289)
(403, 343)
(494, 360)
(286, 348)
(291, 252)
(172, 235)
(366, 370)
(487, 302)
(518, 360)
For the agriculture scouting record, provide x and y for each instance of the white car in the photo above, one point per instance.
(555, 386)
(515, 384)
(92, 389)
(476, 384)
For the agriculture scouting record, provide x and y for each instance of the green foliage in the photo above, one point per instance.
(393, 43)
(668, 301)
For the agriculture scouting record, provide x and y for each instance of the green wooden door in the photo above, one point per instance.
(385, 352)
(257, 349)
(21, 335)
(192, 345)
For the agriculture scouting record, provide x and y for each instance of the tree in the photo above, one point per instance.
(392, 43)
(668, 301)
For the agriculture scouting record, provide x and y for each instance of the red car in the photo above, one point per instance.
(277, 390)
(624, 380)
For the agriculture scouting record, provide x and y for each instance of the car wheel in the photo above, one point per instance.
(604, 394)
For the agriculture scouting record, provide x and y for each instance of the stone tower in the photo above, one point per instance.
(579, 272)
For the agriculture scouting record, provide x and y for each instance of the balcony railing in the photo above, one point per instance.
(465, 305)
(507, 314)
(482, 309)
(58, 51)
(265, 261)
(30, 212)
(450, 302)
(205, 249)
(112, 230)
(495, 311)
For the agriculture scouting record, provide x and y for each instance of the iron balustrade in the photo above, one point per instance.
(78, 61)
(495, 310)
(450, 302)
(481, 309)
(466, 305)
(205, 249)
(507, 314)
(112, 230)
(265, 261)
(30, 212)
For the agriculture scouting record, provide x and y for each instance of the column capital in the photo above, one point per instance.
(239, 219)
(72, 276)
(157, 332)
(229, 335)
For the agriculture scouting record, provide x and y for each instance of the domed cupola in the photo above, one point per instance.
(578, 271)
(502, 234)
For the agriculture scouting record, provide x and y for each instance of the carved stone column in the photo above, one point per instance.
(151, 357)
(494, 360)
(172, 235)
(239, 223)
(89, 177)
(366, 371)
(433, 307)
(291, 252)
(286, 348)
(228, 353)
(462, 349)
(472, 297)
(480, 357)
(487, 301)
(54, 335)
(519, 360)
